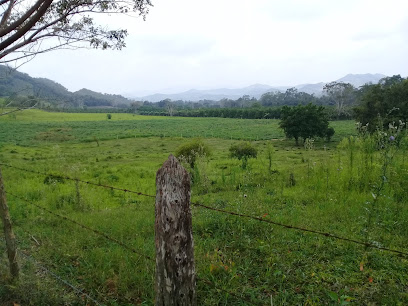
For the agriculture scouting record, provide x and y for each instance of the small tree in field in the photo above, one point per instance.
(307, 121)
(243, 151)
(109, 116)
(192, 150)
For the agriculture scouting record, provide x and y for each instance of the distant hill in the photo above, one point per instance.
(92, 98)
(360, 79)
(257, 90)
(16, 84)
(212, 94)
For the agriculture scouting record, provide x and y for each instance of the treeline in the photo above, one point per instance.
(268, 106)
(97, 110)
(341, 101)
(244, 113)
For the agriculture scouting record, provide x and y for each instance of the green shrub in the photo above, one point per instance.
(243, 151)
(192, 150)
(109, 116)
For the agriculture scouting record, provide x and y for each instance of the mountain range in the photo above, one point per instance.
(257, 90)
(14, 83)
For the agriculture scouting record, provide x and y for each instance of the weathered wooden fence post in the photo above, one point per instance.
(8, 231)
(175, 269)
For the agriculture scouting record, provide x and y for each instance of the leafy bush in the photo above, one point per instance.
(243, 151)
(109, 116)
(192, 150)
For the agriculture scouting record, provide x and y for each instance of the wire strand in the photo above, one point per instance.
(325, 234)
(79, 292)
(79, 180)
(125, 246)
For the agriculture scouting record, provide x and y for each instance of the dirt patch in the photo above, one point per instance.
(56, 135)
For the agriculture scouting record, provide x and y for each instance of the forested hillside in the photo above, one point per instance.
(21, 89)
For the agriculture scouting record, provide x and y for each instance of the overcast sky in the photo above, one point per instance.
(186, 44)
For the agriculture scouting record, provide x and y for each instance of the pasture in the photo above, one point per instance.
(343, 187)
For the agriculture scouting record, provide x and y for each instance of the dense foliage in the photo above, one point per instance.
(383, 103)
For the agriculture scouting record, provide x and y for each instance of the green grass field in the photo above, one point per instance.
(333, 187)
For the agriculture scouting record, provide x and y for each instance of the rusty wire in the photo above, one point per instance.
(325, 234)
(79, 180)
(79, 292)
(99, 233)
(288, 226)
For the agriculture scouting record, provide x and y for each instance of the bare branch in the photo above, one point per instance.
(4, 2)
(42, 20)
(21, 20)
(7, 14)
(20, 33)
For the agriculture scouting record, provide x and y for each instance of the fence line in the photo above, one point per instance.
(316, 232)
(99, 233)
(122, 245)
(79, 180)
(325, 234)
(288, 226)
(79, 292)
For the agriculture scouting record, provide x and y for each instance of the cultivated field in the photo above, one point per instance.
(345, 187)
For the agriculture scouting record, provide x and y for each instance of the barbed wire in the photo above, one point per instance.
(121, 244)
(321, 233)
(99, 233)
(325, 234)
(79, 180)
(79, 292)
(287, 226)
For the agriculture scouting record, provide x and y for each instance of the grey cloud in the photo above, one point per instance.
(176, 46)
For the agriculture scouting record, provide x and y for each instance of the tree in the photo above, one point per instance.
(343, 95)
(383, 103)
(243, 151)
(304, 122)
(31, 27)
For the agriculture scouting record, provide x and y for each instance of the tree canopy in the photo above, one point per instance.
(31, 27)
(383, 103)
(305, 122)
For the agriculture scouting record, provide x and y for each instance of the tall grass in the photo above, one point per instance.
(335, 190)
